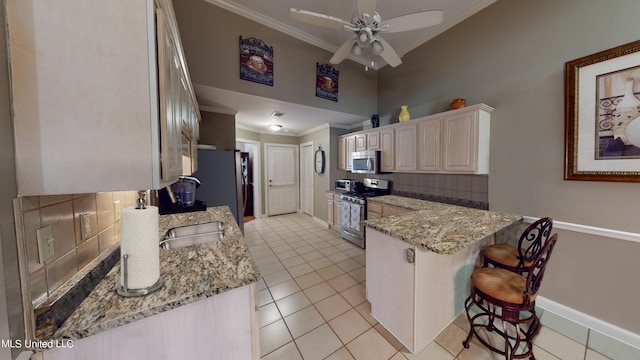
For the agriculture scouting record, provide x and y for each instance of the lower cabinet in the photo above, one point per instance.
(415, 293)
(224, 326)
(334, 202)
(376, 210)
(330, 210)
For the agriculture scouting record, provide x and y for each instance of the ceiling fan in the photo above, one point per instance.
(366, 24)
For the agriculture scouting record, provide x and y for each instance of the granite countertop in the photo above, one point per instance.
(437, 227)
(190, 274)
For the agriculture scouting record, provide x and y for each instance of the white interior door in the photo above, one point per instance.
(282, 182)
(306, 178)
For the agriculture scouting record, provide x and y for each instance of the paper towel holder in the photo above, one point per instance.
(123, 289)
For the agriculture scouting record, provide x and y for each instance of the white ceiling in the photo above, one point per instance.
(253, 112)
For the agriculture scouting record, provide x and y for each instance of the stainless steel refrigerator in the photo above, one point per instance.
(222, 181)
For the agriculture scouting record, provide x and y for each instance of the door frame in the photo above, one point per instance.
(266, 172)
(257, 177)
(310, 163)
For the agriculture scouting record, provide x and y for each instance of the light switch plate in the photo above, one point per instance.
(45, 243)
(85, 225)
(116, 210)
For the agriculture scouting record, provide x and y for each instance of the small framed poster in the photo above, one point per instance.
(327, 82)
(256, 61)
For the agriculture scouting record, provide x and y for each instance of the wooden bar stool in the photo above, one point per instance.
(511, 298)
(519, 259)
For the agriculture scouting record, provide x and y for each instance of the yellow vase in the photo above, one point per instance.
(404, 114)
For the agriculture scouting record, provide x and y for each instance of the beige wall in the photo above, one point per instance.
(320, 181)
(511, 56)
(218, 129)
(210, 38)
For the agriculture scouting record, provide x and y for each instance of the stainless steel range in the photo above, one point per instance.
(353, 212)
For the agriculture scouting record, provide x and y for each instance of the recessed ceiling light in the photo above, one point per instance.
(275, 127)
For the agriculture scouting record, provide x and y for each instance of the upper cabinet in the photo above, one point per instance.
(455, 141)
(406, 142)
(101, 96)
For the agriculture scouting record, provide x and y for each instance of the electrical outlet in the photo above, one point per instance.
(85, 225)
(116, 210)
(45, 243)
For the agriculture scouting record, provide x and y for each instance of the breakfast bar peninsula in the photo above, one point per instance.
(419, 262)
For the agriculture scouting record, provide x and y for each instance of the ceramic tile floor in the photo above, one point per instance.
(312, 302)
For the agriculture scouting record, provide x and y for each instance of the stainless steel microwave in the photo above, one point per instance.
(366, 162)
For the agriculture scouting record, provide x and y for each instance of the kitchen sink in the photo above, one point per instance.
(193, 235)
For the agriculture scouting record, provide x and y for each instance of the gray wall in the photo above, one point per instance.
(210, 38)
(218, 129)
(511, 56)
(321, 182)
(11, 321)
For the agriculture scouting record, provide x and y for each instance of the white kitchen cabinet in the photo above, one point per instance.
(346, 147)
(377, 210)
(342, 153)
(98, 110)
(361, 142)
(388, 150)
(430, 294)
(466, 142)
(334, 203)
(373, 140)
(406, 155)
(224, 326)
(429, 145)
(350, 148)
(330, 209)
(337, 212)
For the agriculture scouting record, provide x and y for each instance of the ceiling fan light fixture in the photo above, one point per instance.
(275, 127)
(356, 50)
(376, 47)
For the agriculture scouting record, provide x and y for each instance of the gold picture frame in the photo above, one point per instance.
(602, 120)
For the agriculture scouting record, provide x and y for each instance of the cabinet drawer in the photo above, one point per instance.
(389, 210)
(374, 208)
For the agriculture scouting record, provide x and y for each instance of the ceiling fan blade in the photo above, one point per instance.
(367, 6)
(342, 52)
(414, 21)
(311, 17)
(388, 54)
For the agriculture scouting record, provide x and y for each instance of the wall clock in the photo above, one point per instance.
(319, 161)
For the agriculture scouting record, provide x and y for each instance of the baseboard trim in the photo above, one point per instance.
(592, 230)
(613, 331)
(320, 221)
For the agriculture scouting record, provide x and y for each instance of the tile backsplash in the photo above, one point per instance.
(71, 252)
(457, 189)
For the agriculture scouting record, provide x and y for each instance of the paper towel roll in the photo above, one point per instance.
(139, 240)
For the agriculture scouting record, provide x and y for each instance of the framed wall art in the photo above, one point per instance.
(327, 82)
(256, 61)
(602, 116)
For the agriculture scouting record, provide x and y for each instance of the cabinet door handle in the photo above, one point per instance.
(411, 256)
